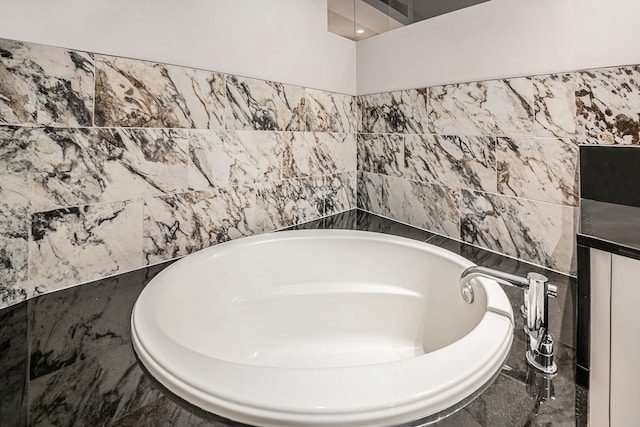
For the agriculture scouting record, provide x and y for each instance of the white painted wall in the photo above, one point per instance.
(281, 40)
(501, 38)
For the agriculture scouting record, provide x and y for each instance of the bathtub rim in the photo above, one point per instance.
(233, 389)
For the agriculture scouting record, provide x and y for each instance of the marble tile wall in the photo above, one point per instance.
(110, 164)
(493, 163)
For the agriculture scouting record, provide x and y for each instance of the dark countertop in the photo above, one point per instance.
(610, 227)
(66, 358)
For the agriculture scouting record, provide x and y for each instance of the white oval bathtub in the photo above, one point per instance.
(321, 327)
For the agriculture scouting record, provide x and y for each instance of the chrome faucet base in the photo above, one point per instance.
(537, 291)
(545, 368)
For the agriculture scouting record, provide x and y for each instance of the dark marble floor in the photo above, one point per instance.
(66, 358)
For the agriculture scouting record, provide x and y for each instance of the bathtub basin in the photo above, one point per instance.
(322, 328)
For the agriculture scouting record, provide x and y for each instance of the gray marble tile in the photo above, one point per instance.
(263, 105)
(317, 154)
(286, 203)
(16, 154)
(455, 161)
(428, 206)
(230, 158)
(402, 111)
(81, 323)
(180, 224)
(537, 232)
(555, 105)
(328, 112)
(608, 106)
(74, 245)
(339, 193)
(133, 93)
(13, 365)
(80, 166)
(380, 153)
(45, 85)
(494, 107)
(543, 169)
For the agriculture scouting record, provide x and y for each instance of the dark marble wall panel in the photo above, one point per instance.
(13, 365)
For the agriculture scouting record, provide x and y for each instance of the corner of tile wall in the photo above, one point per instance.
(109, 164)
(493, 163)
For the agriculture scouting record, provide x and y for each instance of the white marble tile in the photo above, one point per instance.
(339, 192)
(494, 107)
(454, 161)
(372, 194)
(380, 153)
(285, 203)
(329, 112)
(73, 245)
(75, 167)
(45, 85)
(608, 106)
(316, 154)
(14, 240)
(263, 105)
(180, 224)
(543, 169)
(133, 93)
(555, 105)
(427, 206)
(537, 232)
(403, 111)
(234, 158)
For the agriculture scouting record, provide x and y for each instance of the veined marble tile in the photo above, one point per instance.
(403, 111)
(372, 193)
(80, 166)
(608, 106)
(16, 148)
(453, 161)
(81, 322)
(315, 154)
(538, 232)
(290, 202)
(540, 169)
(428, 206)
(231, 158)
(263, 105)
(45, 85)
(495, 107)
(555, 105)
(133, 93)
(340, 192)
(14, 244)
(181, 224)
(380, 153)
(328, 112)
(15, 193)
(73, 245)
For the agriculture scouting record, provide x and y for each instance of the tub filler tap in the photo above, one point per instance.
(535, 309)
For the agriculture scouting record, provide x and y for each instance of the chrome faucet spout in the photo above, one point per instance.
(537, 291)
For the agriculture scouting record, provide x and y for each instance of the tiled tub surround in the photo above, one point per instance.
(493, 163)
(80, 369)
(110, 164)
